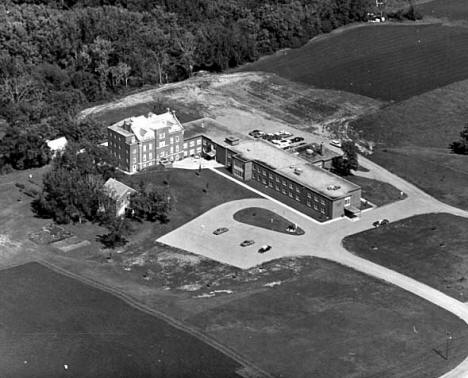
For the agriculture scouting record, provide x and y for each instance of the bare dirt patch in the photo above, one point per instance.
(245, 101)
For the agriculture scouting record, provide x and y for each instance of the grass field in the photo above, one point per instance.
(296, 317)
(49, 320)
(389, 62)
(413, 141)
(378, 192)
(450, 9)
(256, 216)
(192, 194)
(430, 248)
(330, 321)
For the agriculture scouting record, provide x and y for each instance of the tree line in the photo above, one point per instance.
(56, 56)
(73, 191)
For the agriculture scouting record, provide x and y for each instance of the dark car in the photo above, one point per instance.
(256, 133)
(220, 230)
(297, 139)
(381, 222)
(264, 248)
(246, 243)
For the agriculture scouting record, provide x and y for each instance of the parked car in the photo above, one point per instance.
(220, 230)
(381, 222)
(246, 243)
(256, 133)
(297, 139)
(336, 143)
(264, 248)
(284, 133)
(164, 162)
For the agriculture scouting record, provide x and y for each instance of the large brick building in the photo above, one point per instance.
(140, 142)
(323, 194)
(143, 141)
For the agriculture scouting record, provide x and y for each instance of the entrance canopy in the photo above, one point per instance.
(211, 154)
(352, 211)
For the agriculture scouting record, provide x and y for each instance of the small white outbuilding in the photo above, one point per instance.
(57, 145)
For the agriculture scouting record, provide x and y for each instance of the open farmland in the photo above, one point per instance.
(412, 141)
(450, 9)
(49, 321)
(389, 62)
(296, 317)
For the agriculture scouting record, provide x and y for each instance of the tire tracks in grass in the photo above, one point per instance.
(247, 369)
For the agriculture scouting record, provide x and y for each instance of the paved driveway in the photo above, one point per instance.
(197, 235)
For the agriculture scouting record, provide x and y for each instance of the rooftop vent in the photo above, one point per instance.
(298, 171)
(333, 187)
(232, 140)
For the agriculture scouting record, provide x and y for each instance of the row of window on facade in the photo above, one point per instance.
(192, 143)
(192, 151)
(284, 182)
(291, 193)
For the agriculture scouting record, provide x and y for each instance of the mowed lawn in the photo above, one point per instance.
(388, 62)
(260, 217)
(413, 137)
(48, 320)
(431, 248)
(331, 321)
(192, 193)
(377, 192)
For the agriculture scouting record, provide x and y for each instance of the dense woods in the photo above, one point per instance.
(58, 55)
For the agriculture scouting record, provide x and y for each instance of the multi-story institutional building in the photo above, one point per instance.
(143, 141)
(323, 194)
(139, 142)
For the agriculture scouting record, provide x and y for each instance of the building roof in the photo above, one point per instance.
(295, 168)
(143, 127)
(116, 189)
(211, 128)
(57, 144)
(283, 162)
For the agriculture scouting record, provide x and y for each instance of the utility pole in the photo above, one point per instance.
(447, 341)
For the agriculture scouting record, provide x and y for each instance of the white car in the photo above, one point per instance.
(336, 143)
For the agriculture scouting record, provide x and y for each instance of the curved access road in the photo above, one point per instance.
(319, 240)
